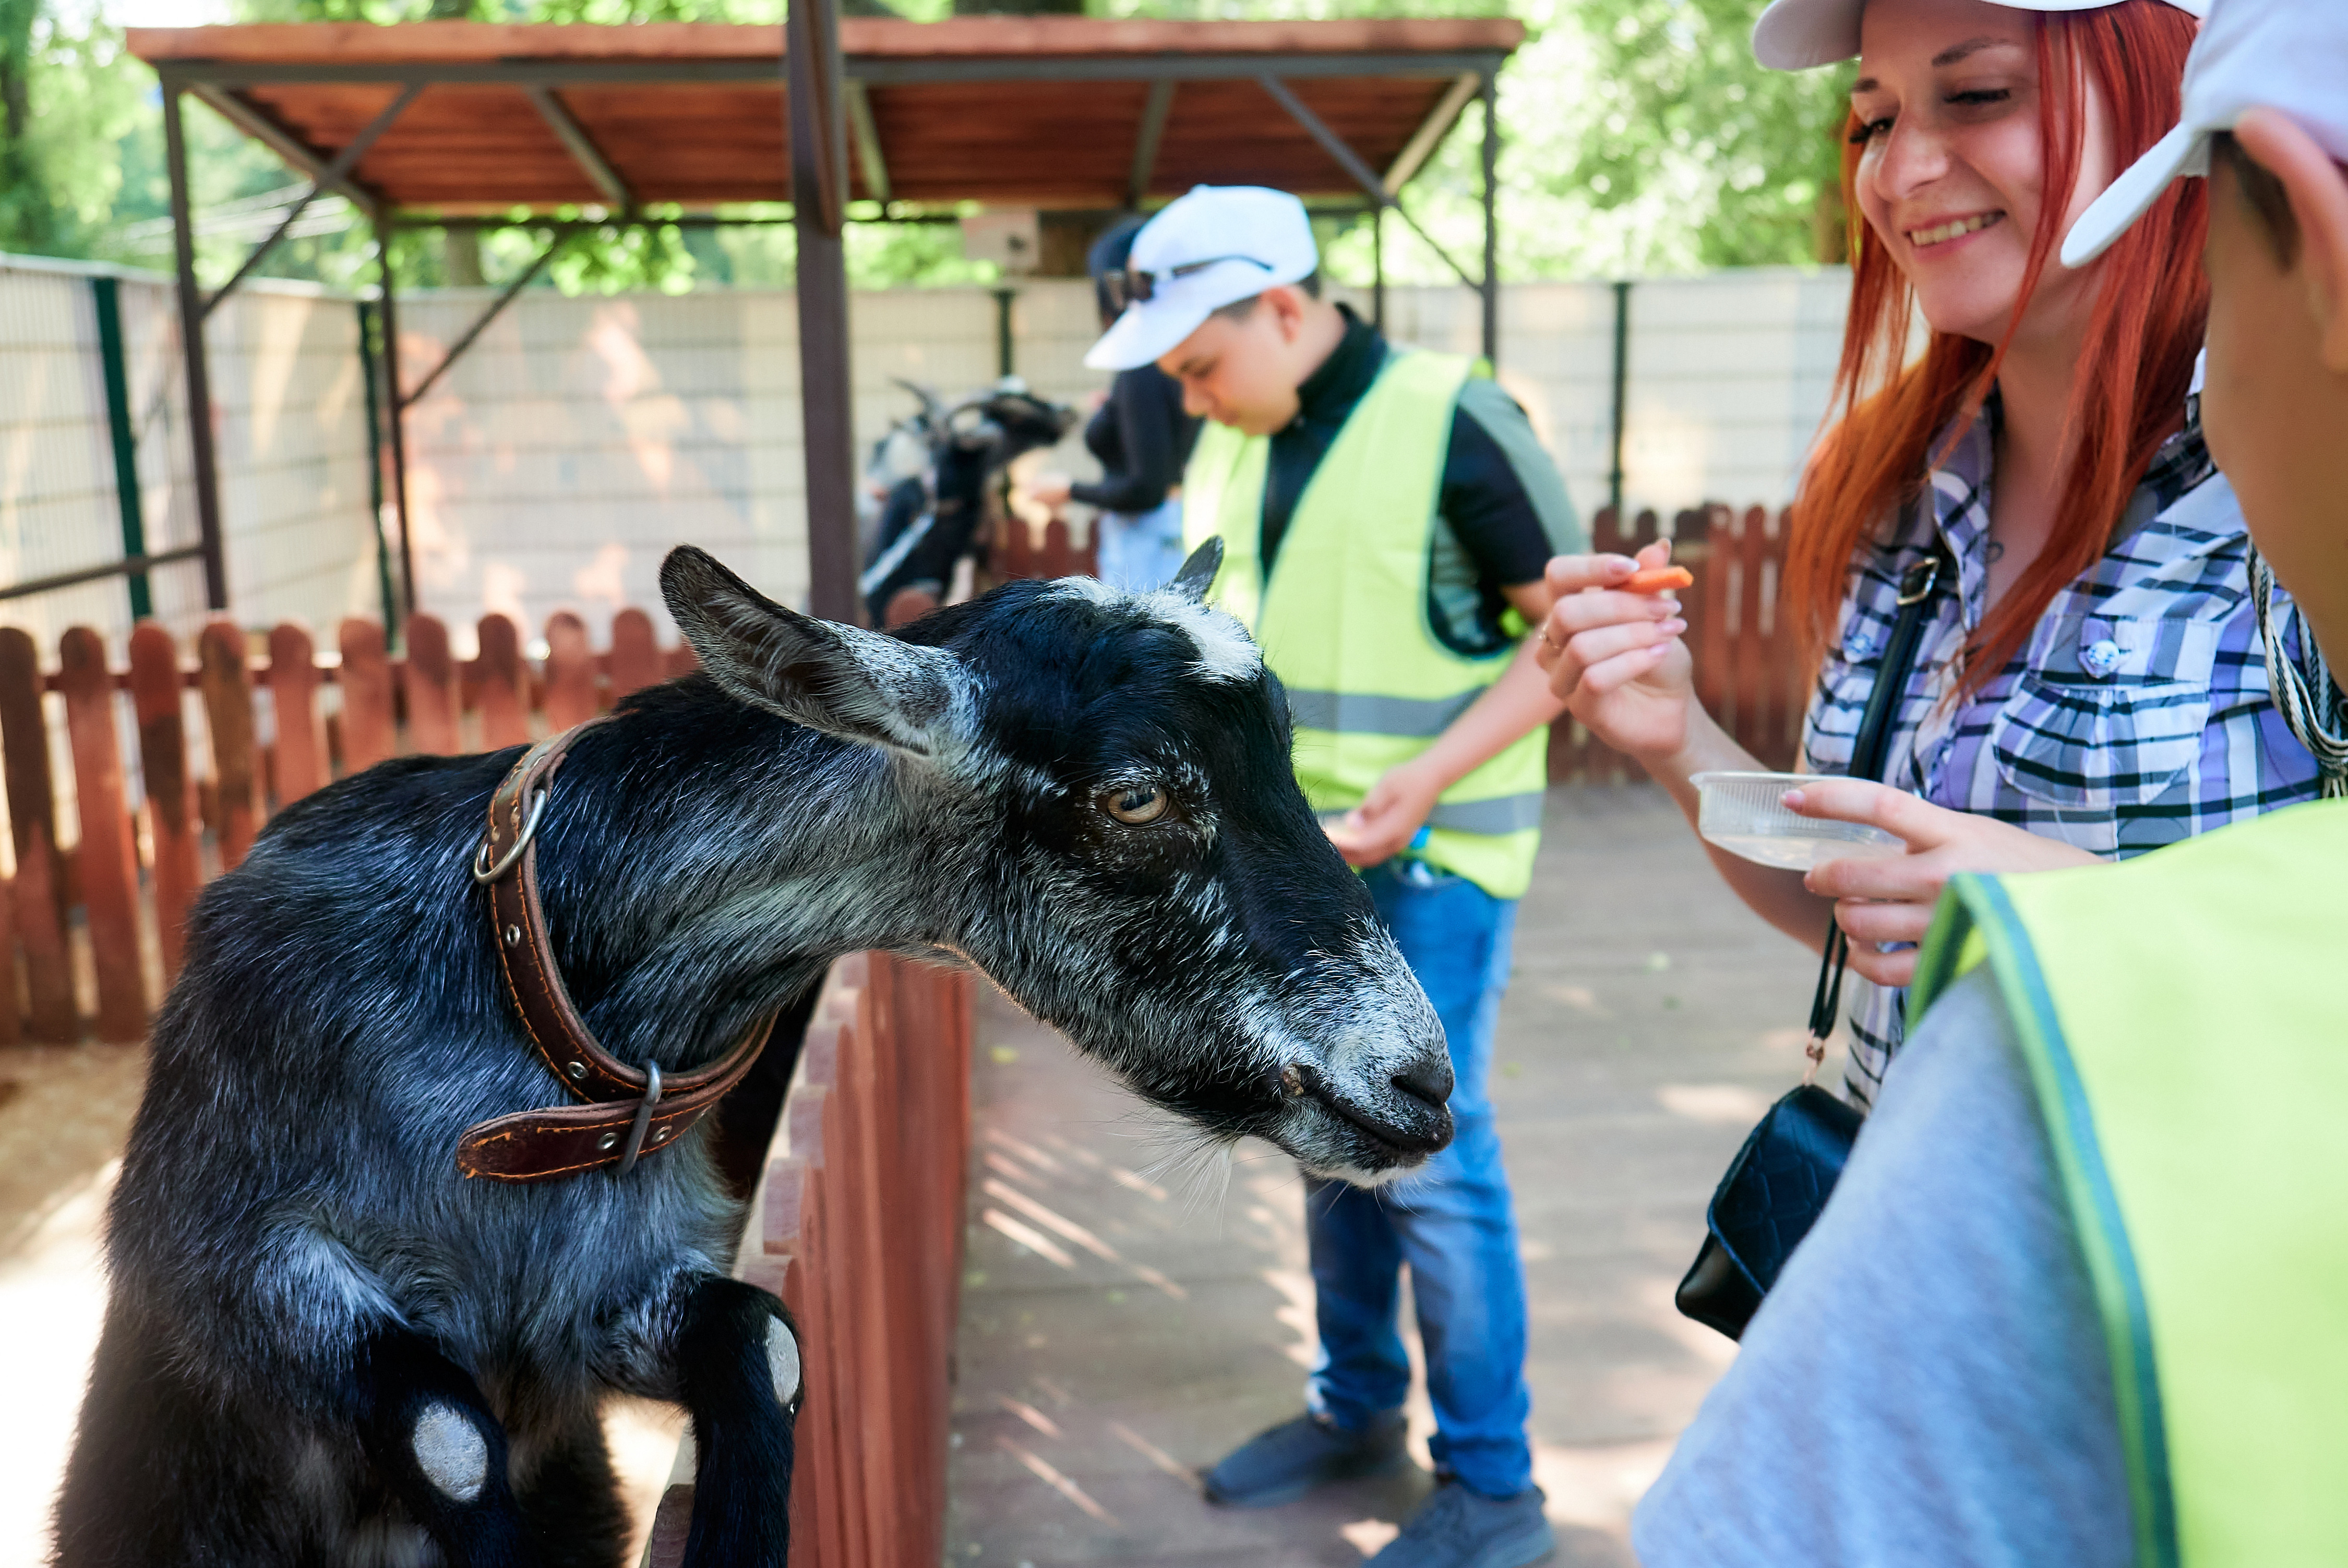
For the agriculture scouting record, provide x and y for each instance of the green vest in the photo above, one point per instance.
(2185, 1016)
(1343, 620)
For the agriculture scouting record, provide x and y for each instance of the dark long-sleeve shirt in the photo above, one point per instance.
(1141, 438)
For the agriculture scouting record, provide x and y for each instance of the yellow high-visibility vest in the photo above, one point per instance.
(2184, 1018)
(1343, 621)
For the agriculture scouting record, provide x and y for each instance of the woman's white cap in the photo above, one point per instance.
(2286, 55)
(1241, 238)
(1795, 35)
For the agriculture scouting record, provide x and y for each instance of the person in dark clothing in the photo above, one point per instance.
(1141, 438)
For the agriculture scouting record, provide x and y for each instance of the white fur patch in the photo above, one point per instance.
(451, 1452)
(783, 1360)
(1091, 589)
(1226, 653)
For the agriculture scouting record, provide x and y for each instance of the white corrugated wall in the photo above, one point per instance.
(580, 437)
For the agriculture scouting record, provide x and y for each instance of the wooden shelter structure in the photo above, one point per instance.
(448, 124)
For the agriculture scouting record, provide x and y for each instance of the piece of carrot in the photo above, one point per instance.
(1660, 579)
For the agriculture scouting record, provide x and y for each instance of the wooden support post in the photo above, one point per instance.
(818, 139)
(192, 358)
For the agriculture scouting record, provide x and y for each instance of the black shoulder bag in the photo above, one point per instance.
(1780, 1181)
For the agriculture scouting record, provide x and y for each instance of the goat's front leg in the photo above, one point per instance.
(437, 1445)
(738, 1370)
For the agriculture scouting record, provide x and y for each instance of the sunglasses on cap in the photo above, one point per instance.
(1132, 286)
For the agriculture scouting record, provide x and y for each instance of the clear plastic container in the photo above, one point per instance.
(1742, 813)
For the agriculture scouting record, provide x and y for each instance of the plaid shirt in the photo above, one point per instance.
(2137, 713)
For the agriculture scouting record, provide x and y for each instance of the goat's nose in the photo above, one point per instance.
(1428, 1081)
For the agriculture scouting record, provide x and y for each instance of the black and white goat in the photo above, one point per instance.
(323, 1346)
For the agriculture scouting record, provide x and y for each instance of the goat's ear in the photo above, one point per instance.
(1197, 573)
(841, 680)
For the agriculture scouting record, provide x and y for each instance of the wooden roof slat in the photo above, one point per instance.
(479, 140)
(969, 38)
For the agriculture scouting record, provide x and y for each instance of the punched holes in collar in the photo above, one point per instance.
(577, 1070)
(513, 936)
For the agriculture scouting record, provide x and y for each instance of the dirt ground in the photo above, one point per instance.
(1131, 1311)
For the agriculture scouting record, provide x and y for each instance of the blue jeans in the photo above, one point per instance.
(1452, 1220)
(1138, 551)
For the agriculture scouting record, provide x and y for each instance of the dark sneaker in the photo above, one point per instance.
(1457, 1528)
(1282, 1464)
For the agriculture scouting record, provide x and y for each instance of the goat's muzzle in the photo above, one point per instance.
(1406, 1123)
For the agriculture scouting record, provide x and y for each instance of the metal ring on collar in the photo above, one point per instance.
(643, 1118)
(486, 873)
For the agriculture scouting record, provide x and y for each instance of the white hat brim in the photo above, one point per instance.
(1795, 34)
(1798, 35)
(2125, 199)
(1142, 336)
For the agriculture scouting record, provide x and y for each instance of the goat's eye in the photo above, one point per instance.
(1135, 804)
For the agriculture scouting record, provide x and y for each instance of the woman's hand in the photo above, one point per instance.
(1046, 489)
(1892, 899)
(1381, 827)
(1616, 659)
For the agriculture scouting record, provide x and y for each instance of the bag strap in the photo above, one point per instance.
(1869, 754)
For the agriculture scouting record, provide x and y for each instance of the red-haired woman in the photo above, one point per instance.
(2090, 684)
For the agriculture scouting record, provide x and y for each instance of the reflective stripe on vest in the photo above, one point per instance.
(2186, 1024)
(1344, 620)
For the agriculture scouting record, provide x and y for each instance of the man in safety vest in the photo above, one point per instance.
(1386, 516)
(2081, 1296)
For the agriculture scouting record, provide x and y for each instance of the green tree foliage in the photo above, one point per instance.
(1673, 113)
(1639, 136)
(67, 96)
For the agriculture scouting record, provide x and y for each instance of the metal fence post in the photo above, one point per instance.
(394, 416)
(1490, 291)
(1621, 390)
(368, 372)
(107, 295)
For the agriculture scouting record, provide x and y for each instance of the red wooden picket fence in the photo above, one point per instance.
(1751, 672)
(190, 827)
(858, 1224)
(1019, 551)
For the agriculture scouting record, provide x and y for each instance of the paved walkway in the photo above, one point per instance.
(1131, 1310)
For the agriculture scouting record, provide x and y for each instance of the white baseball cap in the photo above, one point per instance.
(1795, 35)
(2291, 56)
(1214, 247)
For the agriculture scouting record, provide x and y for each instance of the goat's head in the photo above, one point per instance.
(1098, 808)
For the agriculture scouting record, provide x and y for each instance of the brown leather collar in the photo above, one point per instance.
(629, 1111)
